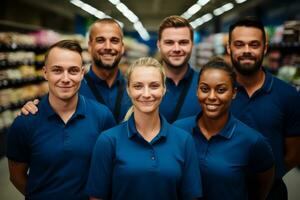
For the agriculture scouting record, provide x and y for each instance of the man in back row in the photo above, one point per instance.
(264, 102)
(105, 83)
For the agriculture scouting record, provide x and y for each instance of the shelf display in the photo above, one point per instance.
(21, 62)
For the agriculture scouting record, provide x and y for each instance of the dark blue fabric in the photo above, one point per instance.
(190, 105)
(58, 154)
(108, 94)
(226, 158)
(125, 166)
(274, 111)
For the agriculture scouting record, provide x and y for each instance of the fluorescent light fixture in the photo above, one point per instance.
(218, 11)
(141, 30)
(138, 26)
(93, 11)
(207, 17)
(194, 9)
(222, 9)
(227, 7)
(203, 2)
(240, 1)
(115, 2)
(201, 20)
(122, 8)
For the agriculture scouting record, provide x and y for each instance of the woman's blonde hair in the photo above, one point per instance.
(146, 62)
(143, 62)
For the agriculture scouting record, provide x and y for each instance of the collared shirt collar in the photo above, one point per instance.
(48, 111)
(132, 131)
(186, 75)
(227, 130)
(119, 78)
(267, 85)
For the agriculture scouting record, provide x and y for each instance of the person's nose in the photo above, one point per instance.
(212, 95)
(107, 45)
(146, 92)
(176, 46)
(65, 76)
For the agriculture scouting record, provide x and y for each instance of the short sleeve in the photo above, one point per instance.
(292, 115)
(108, 120)
(261, 155)
(17, 147)
(191, 186)
(100, 175)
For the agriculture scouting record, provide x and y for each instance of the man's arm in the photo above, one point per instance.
(292, 152)
(264, 181)
(18, 174)
(30, 107)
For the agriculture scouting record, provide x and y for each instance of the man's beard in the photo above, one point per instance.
(109, 67)
(247, 69)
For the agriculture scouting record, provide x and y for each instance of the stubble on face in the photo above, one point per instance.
(247, 69)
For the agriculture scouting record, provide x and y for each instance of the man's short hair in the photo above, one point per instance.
(175, 21)
(71, 45)
(249, 21)
(105, 21)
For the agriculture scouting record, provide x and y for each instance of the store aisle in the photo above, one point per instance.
(8, 191)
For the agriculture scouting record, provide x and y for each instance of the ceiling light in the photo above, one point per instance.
(93, 11)
(227, 7)
(115, 2)
(193, 9)
(240, 1)
(203, 2)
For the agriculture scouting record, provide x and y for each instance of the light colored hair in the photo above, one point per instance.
(143, 62)
(146, 62)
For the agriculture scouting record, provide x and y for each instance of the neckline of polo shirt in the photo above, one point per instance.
(81, 107)
(49, 112)
(226, 132)
(45, 107)
(97, 79)
(185, 77)
(132, 131)
(267, 85)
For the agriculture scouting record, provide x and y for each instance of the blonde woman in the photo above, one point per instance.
(144, 157)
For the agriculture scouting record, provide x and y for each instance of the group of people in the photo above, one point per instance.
(223, 133)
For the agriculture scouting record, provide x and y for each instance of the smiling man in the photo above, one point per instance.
(104, 81)
(264, 102)
(175, 44)
(49, 153)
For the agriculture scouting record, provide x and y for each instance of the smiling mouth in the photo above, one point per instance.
(211, 107)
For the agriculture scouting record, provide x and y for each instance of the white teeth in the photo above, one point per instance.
(211, 107)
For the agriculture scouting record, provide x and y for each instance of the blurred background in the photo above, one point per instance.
(28, 27)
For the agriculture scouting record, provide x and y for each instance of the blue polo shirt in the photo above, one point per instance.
(58, 154)
(125, 166)
(226, 158)
(273, 110)
(190, 105)
(109, 94)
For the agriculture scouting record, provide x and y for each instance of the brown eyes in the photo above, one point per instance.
(112, 40)
(181, 42)
(219, 90)
(254, 44)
